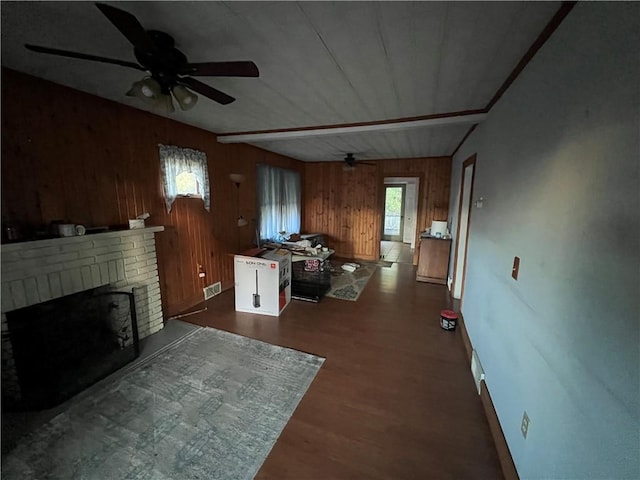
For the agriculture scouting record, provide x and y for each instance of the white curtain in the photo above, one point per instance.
(279, 202)
(175, 160)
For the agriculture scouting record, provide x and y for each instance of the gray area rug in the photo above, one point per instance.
(349, 285)
(209, 407)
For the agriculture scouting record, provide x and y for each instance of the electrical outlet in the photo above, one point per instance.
(524, 427)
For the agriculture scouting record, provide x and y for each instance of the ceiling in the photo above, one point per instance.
(321, 63)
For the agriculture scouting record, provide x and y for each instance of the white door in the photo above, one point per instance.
(410, 211)
(394, 203)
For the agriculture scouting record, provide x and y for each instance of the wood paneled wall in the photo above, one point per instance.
(348, 205)
(71, 156)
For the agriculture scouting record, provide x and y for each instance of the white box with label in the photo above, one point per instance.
(263, 283)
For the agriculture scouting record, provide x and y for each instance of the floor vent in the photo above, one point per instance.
(212, 290)
(476, 370)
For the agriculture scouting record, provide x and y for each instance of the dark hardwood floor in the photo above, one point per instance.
(396, 252)
(395, 398)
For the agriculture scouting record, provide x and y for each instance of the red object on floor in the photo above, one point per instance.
(448, 319)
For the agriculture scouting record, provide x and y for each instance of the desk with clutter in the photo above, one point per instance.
(310, 269)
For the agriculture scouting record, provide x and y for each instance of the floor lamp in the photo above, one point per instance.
(238, 178)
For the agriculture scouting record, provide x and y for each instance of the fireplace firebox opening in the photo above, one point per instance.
(63, 346)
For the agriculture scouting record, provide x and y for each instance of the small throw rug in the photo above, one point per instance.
(349, 285)
(209, 407)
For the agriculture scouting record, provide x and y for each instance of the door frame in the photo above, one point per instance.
(469, 162)
(403, 187)
(419, 214)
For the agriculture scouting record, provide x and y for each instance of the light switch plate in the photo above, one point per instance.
(516, 268)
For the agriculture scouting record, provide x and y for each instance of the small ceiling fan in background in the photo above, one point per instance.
(350, 163)
(168, 70)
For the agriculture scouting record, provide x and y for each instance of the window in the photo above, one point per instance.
(187, 185)
(278, 201)
(184, 173)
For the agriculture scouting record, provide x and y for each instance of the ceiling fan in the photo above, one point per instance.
(168, 70)
(350, 162)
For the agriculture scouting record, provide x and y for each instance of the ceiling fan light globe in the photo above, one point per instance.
(135, 90)
(186, 99)
(163, 104)
(148, 90)
(150, 87)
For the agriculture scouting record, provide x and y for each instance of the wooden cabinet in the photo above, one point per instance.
(433, 260)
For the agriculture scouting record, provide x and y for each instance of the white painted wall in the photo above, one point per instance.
(558, 167)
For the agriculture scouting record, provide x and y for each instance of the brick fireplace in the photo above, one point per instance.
(39, 271)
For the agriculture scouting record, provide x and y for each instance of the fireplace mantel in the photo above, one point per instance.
(13, 247)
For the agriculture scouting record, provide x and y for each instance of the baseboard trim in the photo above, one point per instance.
(182, 307)
(465, 338)
(504, 455)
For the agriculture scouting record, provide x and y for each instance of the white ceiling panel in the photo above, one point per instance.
(321, 63)
(416, 142)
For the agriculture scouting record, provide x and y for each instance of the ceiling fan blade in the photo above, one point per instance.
(83, 56)
(222, 69)
(206, 90)
(128, 26)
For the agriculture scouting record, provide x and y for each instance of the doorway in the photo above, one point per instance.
(402, 224)
(462, 235)
(393, 224)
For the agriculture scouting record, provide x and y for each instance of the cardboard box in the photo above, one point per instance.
(263, 283)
